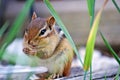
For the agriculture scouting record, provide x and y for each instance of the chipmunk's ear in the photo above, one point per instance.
(51, 22)
(34, 16)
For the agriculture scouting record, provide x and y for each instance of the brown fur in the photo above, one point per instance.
(54, 52)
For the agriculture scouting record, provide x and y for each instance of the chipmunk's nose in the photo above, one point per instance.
(30, 42)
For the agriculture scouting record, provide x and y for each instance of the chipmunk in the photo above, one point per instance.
(42, 39)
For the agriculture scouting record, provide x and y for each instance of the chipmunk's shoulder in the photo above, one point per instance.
(59, 31)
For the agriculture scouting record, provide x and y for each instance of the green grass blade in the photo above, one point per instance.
(17, 25)
(59, 22)
(114, 2)
(110, 48)
(91, 4)
(91, 8)
(90, 71)
(91, 39)
(2, 49)
(118, 73)
(85, 75)
(92, 12)
(3, 28)
(105, 77)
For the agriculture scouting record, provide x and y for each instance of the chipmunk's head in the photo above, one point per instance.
(37, 34)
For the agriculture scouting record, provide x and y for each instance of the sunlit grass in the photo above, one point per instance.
(91, 10)
(91, 39)
(92, 36)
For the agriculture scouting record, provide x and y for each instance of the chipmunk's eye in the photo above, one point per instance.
(42, 32)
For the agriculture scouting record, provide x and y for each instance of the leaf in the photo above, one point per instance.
(91, 39)
(3, 28)
(91, 4)
(117, 75)
(91, 8)
(114, 2)
(60, 23)
(110, 48)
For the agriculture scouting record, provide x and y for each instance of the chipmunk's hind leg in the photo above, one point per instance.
(67, 69)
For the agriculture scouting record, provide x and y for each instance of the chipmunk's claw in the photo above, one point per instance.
(58, 76)
(53, 76)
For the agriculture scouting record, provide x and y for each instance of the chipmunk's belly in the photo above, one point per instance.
(55, 65)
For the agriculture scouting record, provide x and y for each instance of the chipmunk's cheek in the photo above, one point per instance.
(44, 42)
(41, 54)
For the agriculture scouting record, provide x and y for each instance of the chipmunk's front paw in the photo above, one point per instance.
(28, 51)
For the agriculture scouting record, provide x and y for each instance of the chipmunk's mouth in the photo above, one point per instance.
(32, 49)
(29, 51)
(36, 47)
